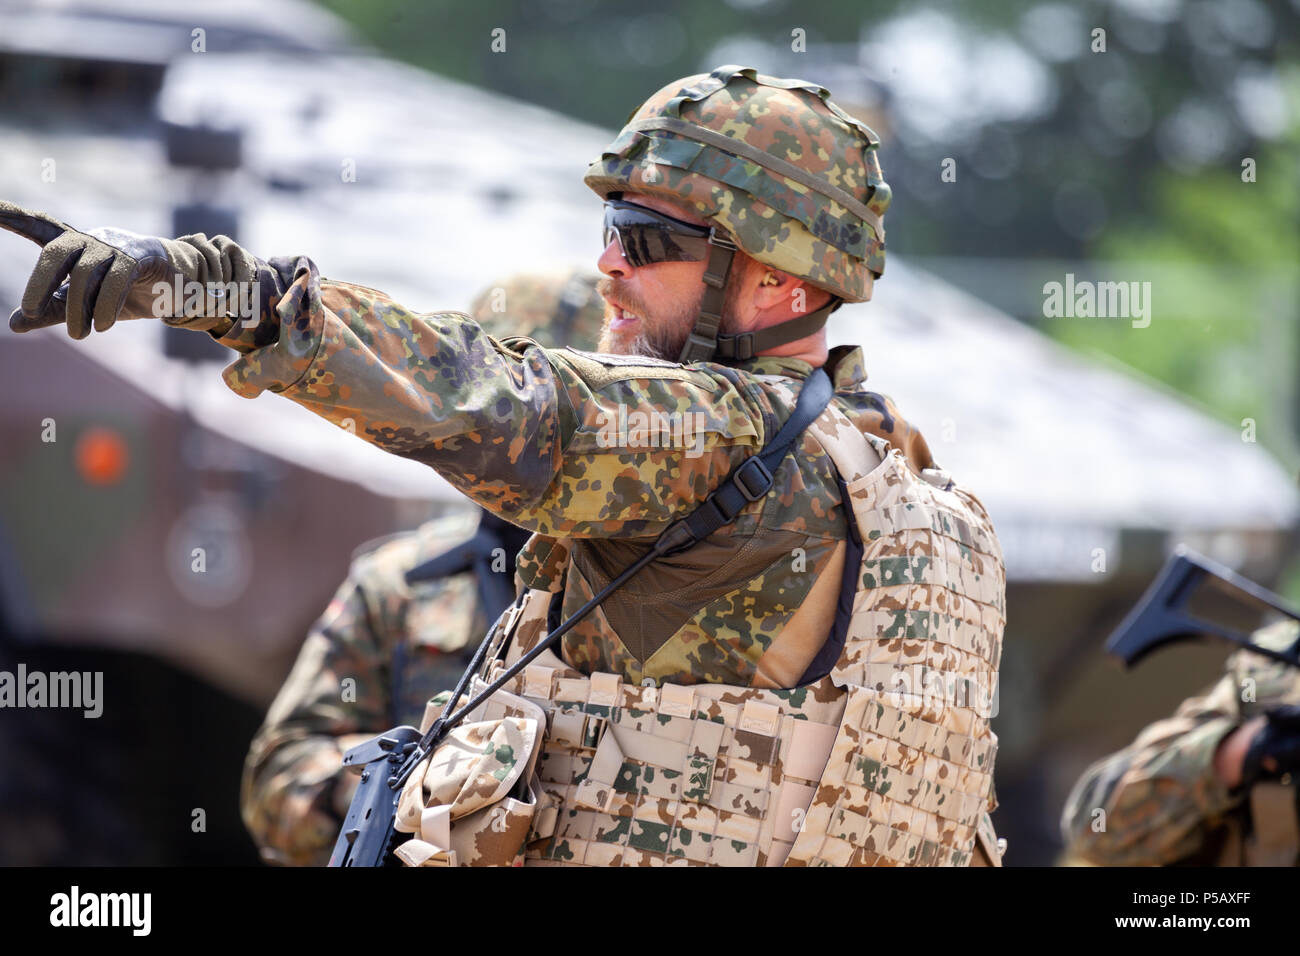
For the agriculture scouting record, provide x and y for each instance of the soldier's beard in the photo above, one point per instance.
(660, 333)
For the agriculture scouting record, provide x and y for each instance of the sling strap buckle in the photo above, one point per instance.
(753, 478)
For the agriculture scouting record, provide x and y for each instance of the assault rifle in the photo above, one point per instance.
(1163, 617)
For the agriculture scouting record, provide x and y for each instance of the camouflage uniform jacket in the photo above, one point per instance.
(605, 451)
(1162, 800)
(379, 652)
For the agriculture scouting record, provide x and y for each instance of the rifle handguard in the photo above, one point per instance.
(1162, 617)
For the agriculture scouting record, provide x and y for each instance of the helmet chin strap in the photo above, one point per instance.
(704, 344)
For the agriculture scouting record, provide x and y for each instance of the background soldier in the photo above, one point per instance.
(1210, 785)
(404, 624)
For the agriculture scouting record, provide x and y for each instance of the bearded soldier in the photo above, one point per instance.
(402, 624)
(801, 672)
(1211, 785)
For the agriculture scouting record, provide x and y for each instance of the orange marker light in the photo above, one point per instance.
(101, 456)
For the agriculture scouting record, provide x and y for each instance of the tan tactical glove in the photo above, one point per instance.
(111, 274)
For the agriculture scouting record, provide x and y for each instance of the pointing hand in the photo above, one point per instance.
(109, 274)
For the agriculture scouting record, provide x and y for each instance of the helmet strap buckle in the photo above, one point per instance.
(745, 345)
(702, 342)
(697, 349)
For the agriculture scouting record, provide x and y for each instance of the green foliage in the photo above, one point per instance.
(598, 60)
(1221, 255)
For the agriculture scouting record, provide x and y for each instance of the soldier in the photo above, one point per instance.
(1210, 785)
(790, 679)
(402, 624)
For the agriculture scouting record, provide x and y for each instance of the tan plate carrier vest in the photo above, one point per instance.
(888, 760)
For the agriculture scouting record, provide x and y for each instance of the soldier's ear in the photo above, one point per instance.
(799, 296)
(773, 288)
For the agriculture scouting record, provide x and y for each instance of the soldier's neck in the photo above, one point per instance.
(811, 349)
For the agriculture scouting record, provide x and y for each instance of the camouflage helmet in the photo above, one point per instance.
(788, 176)
(554, 310)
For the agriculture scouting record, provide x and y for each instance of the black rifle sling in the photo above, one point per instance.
(749, 481)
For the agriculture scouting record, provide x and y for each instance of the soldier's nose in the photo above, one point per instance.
(611, 261)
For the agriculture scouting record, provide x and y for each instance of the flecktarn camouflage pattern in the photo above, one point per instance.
(524, 434)
(1159, 801)
(537, 436)
(790, 176)
(694, 667)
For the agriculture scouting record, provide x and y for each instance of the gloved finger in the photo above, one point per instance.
(36, 226)
(57, 259)
(118, 280)
(55, 313)
(83, 286)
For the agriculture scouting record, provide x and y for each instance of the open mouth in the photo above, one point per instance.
(621, 318)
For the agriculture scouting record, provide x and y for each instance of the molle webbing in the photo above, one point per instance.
(676, 776)
(919, 668)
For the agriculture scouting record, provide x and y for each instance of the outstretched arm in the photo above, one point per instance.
(546, 438)
(551, 440)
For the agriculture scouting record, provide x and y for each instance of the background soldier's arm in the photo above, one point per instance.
(1154, 802)
(294, 793)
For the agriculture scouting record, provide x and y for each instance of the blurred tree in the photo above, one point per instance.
(592, 60)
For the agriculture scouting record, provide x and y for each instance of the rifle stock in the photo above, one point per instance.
(1162, 616)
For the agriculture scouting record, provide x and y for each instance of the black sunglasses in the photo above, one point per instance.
(646, 236)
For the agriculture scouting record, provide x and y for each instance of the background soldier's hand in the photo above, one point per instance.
(1275, 750)
(110, 274)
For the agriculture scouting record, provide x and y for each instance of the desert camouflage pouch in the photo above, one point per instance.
(472, 802)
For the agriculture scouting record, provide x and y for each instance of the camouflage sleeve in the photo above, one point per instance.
(294, 793)
(1153, 803)
(555, 441)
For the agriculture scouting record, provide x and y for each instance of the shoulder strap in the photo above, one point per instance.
(495, 591)
(853, 452)
(752, 478)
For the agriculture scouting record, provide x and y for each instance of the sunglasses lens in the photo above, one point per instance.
(646, 238)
